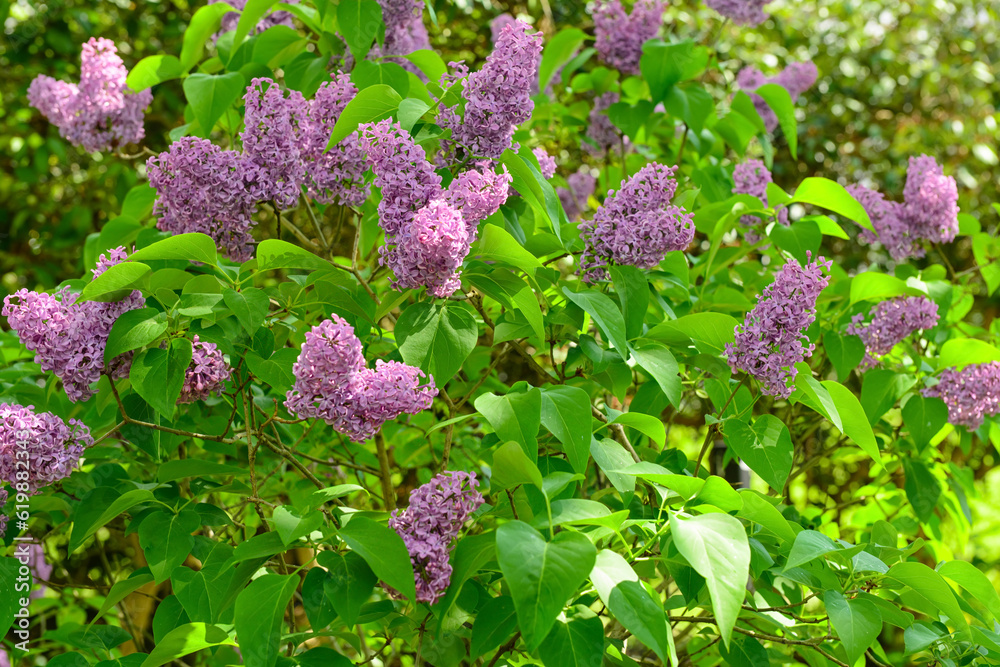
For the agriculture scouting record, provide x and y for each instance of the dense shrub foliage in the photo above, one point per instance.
(549, 356)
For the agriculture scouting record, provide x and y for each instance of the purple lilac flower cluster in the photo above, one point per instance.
(202, 188)
(546, 162)
(574, 199)
(601, 132)
(99, 113)
(636, 225)
(796, 78)
(771, 339)
(428, 230)
(970, 394)
(498, 24)
(741, 12)
(498, 96)
(53, 447)
(928, 212)
(3, 514)
(430, 525)
(891, 322)
(231, 19)
(206, 374)
(620, 36)
(68, 338)
(751, 178)
(332, 383)
(404, 29)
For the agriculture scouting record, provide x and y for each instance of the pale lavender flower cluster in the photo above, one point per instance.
(771, 339)
(546, 162)
(53, 447)
(970, 394)
(68, 338)
(207, 372)
(41, 570)
(636, 225)
(928, 212)
(202, 188)
(796, 78)
(574, 199)
(498, 24)
(601, 131)
(620, 36)
(741, 12)
(332, 383)
(231, 19)
(498, 96)
(274, 169)
(891, 322)
(428, 230)
(431, 524)
(751, 178)
(99, 113)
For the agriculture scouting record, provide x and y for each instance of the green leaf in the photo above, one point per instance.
(844, 351)
(633, 292)
(349, 585)
(542, 575)
(512, 468)
(778, 98)
(713, 330)
(368, 106)
(367, 74)
(250, 307)
(853, 422)
(251, 14)
(766, 448)
(515, 416)
(832, 196)
(924, 417)
(193, 247)
(85, 525)
(533, 187)
(875, 286)
(204, 24)
(9, 597)
(134, 329)
(384, 552)
(428, 62)
(188, 638)
(122, 590)
(661, 365)
(605, 314)
(158, 375)
(639, 612)
(559, 49)
(960, 352)
(437, 337)
(744, 651)
(410, 111)
(116, 283)
(292, 525)
(211, 95)
(648, 425)
(260, 613)
(152, 70)
(928, 585)
(716, 546)
(922, 488)
(969, 577)
(566, 414)
(274, 254)
(801, 239)
(166, 540)
(277, 370)
(497, 245)
(494, 624)
(880, 390)
(574, 641)
(664, 65)
(808, 546)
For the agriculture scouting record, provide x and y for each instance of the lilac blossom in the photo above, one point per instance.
(41, 570)
(546, 162)
(430, 251)
(429, 527)
(891, 322)
(620, 36)
(930, 201)
(891, 227)
(99, 113)
(772, 338)
(478, 193)
(332, 383)
(971, 393)
(601, 131)
(498, 24)
(201, 188)
(231, 19)
(3, 515)
(273, 166)
(751, 178)
(53, 447)
(68, 338)
(636, 225)
(741, 12)
(334, 176)
(206, 373)
(498, 96)
(581, 187)
(796, 78)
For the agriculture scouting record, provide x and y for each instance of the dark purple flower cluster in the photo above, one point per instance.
(620, 36)
(273, 166)
(636, 225)
(206, 373)
(431, 524)
(751, 178)
(772, 339)
(68, 338)
(796, 78)
(47, 447)
(428, 230)
(601, 132)
(574, 199)
(99, 113)
(970, 394)
(231, 19)
(332, 383)
(498, 96)
(891, 322)
(741, 12)
(928, 212)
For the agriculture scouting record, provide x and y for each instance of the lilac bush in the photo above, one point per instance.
(50, 447)
(892, 322)
(971, 393)
(620, 35)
